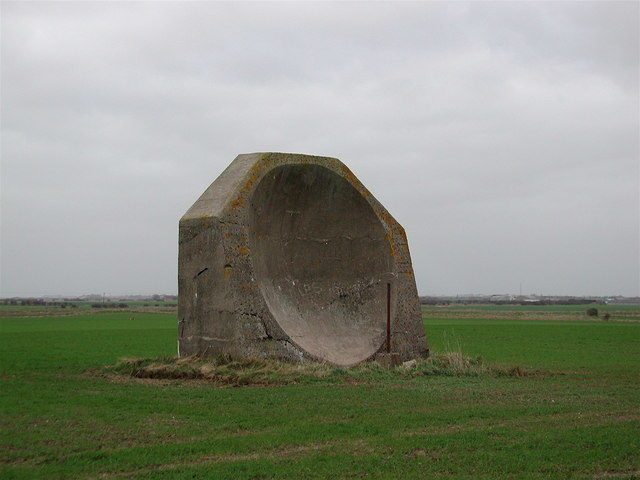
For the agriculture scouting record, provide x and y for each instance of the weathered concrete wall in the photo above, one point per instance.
(288, 256)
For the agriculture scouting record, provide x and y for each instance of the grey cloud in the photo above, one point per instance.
(504, 136)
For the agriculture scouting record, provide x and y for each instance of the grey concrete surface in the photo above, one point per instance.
(288, 256)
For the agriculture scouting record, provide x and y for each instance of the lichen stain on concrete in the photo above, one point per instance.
(298, 255)
(227, 271)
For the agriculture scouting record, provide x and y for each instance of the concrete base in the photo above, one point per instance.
(389, 360)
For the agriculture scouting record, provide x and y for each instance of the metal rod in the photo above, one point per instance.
(388, 318)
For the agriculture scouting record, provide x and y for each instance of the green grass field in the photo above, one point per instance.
(61, 417)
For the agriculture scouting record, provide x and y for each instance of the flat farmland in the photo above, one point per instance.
(575, 415)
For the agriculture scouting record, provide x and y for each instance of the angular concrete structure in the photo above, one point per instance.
(288, 256)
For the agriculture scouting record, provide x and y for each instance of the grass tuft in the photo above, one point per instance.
(459, 365)
(265, 372)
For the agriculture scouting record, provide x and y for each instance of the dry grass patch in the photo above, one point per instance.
(460, 365)
(265, 372)
(220, 371)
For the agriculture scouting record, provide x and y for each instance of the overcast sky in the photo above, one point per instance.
(504, 137)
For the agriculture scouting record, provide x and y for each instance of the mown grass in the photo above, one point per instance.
(579, 309)
(63, 416)
(556, 313)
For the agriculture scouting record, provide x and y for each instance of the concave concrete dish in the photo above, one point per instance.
(289, 256)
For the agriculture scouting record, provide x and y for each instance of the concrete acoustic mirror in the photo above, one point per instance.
(289, 256)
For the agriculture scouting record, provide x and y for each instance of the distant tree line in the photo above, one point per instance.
(109, 305)
(38, 302)
(488, 301)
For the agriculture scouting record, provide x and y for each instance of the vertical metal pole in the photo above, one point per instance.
(388, 318)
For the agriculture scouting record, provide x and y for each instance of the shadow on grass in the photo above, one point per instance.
(228, 372)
